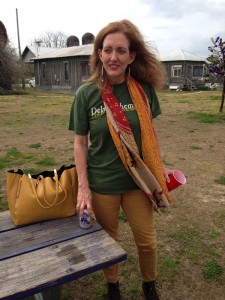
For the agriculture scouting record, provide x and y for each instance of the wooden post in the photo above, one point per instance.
(20, 55)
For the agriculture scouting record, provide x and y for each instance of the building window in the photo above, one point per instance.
(176, 71)
(84, 68)
(43, 70)
(197, 71)
(66, 70)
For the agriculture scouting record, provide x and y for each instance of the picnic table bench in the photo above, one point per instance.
(36, 257)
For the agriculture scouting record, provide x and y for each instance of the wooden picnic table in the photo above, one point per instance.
(40, 256)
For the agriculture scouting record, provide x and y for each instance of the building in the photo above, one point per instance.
(183, 69)
(30, 52)
(65, 69)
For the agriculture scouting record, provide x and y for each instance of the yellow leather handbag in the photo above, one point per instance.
(44, 196)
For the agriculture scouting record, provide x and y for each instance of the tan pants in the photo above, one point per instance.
(139, 213)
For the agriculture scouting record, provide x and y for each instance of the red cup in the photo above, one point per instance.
(177, 178)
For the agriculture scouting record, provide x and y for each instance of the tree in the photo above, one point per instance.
(3, 36)
(52, 39)
(7, 62)
(217, 64)
(10, 70)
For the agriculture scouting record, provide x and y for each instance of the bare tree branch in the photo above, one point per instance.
(52, 39)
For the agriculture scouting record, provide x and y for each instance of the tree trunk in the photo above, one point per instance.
(223, 94)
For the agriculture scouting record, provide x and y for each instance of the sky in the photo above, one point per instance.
(166, 24)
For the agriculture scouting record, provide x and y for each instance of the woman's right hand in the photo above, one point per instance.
(84, 197)
(84, 200)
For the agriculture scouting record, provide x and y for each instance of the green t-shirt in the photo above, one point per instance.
(106, 172)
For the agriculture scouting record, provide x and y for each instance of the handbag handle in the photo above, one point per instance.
(57, 186)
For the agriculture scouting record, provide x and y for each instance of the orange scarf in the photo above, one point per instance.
(147, 173)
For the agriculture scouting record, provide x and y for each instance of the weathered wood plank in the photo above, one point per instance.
(30, 273)
(39, 235)
(6, 222)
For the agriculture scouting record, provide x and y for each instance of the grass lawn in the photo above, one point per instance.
(191, 249)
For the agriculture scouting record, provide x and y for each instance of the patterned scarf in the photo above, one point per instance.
(147, 173)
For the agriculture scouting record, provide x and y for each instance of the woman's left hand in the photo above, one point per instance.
(167, 172)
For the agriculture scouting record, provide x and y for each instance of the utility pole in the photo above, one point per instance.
(20, 55)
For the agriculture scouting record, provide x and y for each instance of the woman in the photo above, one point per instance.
(114, 109)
